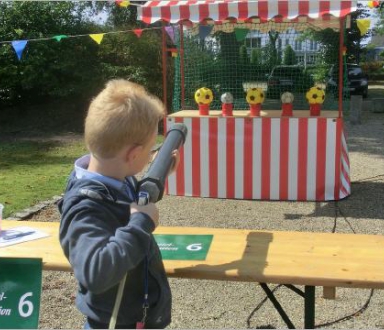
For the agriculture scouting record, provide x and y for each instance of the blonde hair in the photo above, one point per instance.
(122, 114)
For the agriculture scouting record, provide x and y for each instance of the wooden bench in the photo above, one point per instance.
(288, 258)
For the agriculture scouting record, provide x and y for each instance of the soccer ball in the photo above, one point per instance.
(315, 95)
(203, 96)
(287, 97)
(255, 96)
(227, 98)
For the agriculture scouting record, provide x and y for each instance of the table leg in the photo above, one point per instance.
(309, 307)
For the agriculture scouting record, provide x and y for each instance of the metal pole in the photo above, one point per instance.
(309, 307)
(182, 76)
(341, 66)
(164, 63)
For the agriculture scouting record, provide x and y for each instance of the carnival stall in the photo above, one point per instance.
(237, 146)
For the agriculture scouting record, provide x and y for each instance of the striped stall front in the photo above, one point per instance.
(298, 159)
(219, 10)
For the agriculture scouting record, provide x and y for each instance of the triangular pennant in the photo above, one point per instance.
(363, 25)
(122, 3)
(205, 30)
(97, 37)
(59, 37)
(170, 32)
(138, 32)
(18, 46)
(241, 34)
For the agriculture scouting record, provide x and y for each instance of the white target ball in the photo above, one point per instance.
(287, 97)
(227, 98)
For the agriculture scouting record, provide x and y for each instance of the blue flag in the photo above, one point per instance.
(18, 46)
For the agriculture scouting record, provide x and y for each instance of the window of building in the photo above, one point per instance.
(254, 42)
(298, 45)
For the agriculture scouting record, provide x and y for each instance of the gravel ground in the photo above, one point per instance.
(222, 304)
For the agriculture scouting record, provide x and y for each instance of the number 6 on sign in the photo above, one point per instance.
(194, 247)
(20, 294)
(28, 304)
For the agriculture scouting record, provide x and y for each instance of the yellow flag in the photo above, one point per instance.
(97, 37)
(124, 3)
(363, 24)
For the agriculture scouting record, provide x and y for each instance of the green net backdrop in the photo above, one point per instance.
(276, 57)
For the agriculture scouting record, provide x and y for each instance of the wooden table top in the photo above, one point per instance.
(263, 114)
(302, 258)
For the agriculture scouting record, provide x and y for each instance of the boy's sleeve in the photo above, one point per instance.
(100, 258)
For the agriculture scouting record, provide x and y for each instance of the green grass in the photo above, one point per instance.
(35, 171)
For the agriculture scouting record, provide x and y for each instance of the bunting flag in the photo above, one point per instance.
(122, 3)
(241, 34)
(204, 31)
(363, 25)
(19, 46)
(170, 32)
(138, 32)
(59, 37)
(373, 4)
(97, 37)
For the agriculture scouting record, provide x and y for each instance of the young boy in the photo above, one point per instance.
(104, 234)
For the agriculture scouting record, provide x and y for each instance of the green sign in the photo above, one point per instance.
(20, 289)
(184, 247)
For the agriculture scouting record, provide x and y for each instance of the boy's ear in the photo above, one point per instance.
(132, 153)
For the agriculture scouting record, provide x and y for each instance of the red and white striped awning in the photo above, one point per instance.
(219, 10)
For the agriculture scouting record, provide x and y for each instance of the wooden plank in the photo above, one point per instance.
(302, 258)
(245, 113)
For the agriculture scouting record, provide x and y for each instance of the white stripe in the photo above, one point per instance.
(239, 158)
(334, 8)
(171, 178)
(222, 158)
(194, 13)
(273, 9)
(256, 159)
(253, 9)
(314, 8)
(275, 159)
(311, 159)
(233, 10)
(330, 158)
(175, 13)
(345, 165)
(293, 9)
(293, 158)
(213, 9)
(204, 157)
(188, 158)
(345, 184)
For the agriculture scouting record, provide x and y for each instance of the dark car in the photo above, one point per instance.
(357, 81)
(288, 78)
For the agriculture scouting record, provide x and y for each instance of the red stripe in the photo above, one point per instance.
(303, 8)
(196, 157)
(230, 157)
(324, 8)
(283, 8)
(266, 158)
(338, 165)
(243, 10)
(223, 11)
(203, 11)
(248, 153)
(184, 12)
(263, 9)
(284, 152)
(146, 15)
(346, 7)
(180, 179)
(302, 160)
(165, 13)
(213, 163)
(321, 158)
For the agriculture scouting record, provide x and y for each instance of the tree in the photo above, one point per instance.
(289, 56)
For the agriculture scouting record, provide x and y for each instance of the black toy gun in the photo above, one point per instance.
(151, 186)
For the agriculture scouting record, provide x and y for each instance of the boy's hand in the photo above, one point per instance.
(150, 209)
(176, 161)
